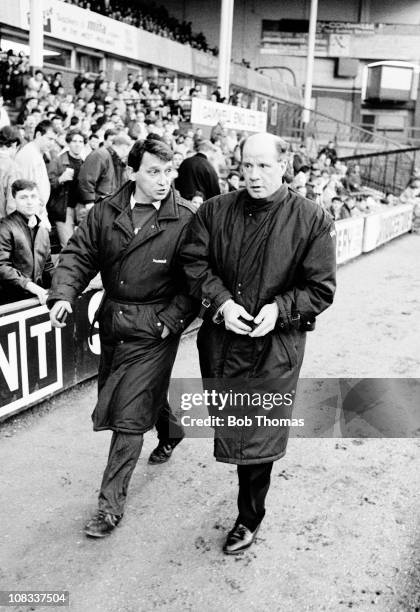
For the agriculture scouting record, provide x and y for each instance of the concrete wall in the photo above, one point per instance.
(398, 42)
(249, 14)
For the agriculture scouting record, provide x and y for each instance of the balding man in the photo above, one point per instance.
(103, 172)
(196, 173)
(262, 261)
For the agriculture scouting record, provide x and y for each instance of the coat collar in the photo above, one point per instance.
(169, 208)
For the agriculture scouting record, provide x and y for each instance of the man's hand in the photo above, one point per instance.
(38, 292)
(231, 312)
(58, 311)
(266, 320)
(165, 331)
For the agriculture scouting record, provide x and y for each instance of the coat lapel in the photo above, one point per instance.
(167, 212)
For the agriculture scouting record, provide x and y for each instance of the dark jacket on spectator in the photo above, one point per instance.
(101, 174)
(25, 256)
(62, 194)
(197, 174)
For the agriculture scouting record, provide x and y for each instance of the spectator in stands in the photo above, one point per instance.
(197, 199)
(32, 165)
(300, 158)
(335, 208)
(25, 254)
(217, 94)
(92, 144)
(86, 93)
(349, 208)
(37, 86)
(103, 171)
(196, 173)
(330, 152)
(9, 170)
(56, 83)
(177, 159)
(233, 180)
(352, 181)
(78, 82)
(28, 107)
(4, 116)
(63, 172)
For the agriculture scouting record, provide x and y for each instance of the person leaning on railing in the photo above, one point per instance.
(25, 254)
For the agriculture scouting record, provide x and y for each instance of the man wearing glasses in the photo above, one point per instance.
(132, 238)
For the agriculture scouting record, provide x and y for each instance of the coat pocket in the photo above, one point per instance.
(289, 347)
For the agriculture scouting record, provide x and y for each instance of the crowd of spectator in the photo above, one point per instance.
(71, 149)
(150, 17)
(338, 187)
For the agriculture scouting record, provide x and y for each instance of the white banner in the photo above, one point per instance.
(73, 24)
(349, 238)
(206, 112)
(384, 226)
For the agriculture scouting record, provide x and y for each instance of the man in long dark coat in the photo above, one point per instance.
(261, 259)
(132, 238)
(196, 173)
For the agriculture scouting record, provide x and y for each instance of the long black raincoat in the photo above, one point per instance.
(258, 251)
(144, 289)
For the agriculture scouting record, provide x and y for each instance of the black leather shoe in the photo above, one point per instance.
(238, 539)
(102, 524)
(163, 451)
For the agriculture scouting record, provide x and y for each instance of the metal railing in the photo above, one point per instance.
(387, 171)
(349, 138)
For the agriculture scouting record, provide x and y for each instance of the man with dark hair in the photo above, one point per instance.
(196, 173)
(25, 254)
(63, 172)
(30, 158)
(262, 260)
(9, 170)
(132, 238)
(330, 152)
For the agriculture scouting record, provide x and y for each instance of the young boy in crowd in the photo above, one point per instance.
(25, 254)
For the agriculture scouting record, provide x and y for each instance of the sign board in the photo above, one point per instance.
(206, 112)
(37, 360)
(384, 226)
(30, 358)
(349, 238)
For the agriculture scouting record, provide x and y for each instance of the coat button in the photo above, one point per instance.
(239, 293)
(153, 227)
(181, 320)
(121, 341)
(120, 312)
(121, 282)
(159, 324)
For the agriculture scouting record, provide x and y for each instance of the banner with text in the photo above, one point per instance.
(206, 112)
(384, 226)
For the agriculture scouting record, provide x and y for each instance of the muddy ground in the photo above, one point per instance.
(341, 530)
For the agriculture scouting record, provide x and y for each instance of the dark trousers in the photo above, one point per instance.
(124, 453)
(254, 482)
